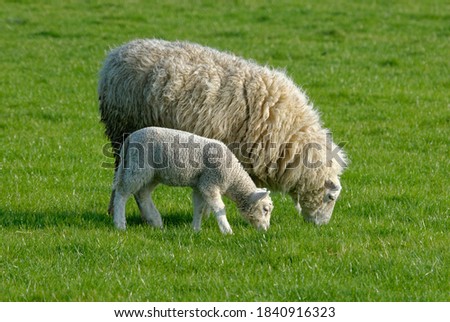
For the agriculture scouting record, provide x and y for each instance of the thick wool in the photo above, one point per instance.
(259, 112)
(153, 155)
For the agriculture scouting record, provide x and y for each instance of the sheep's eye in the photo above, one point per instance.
(331, 197)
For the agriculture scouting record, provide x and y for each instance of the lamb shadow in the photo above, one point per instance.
(87, 219)
(176, 219)
(173, 219)
(39, 219)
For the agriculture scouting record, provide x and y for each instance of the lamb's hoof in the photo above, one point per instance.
(227, 231)
(158, 225)
(121, 227)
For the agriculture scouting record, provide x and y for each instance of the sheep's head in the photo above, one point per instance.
(258, 209)
(317, 205)
(318, 185)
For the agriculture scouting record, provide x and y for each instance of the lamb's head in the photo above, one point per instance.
(258, 208)
(317, 205)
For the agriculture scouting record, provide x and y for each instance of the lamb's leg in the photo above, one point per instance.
(214, 200)
(147, 207)
(206, 211)
(111, 203)
(120, 201)
(116, 144)
(199, 206)
(221, 217)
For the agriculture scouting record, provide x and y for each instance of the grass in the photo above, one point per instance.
(378, 72)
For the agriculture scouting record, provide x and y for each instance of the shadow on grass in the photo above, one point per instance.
(175, 219)
(86, 219)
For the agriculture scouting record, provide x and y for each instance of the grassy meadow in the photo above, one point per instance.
(378, 71)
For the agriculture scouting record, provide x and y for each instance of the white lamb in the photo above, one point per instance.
(155, 155)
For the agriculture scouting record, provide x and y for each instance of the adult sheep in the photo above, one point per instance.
(259, 112)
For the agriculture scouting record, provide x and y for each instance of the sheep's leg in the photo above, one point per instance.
(214, 201)
(120, 201)
(147, 207)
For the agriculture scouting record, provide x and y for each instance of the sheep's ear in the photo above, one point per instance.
(333, 190)
(332, 186)
(259, 194)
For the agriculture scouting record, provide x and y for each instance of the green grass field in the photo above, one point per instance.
(377, 70)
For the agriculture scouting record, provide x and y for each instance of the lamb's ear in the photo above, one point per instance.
(259, 194)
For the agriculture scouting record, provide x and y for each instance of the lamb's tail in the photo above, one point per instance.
(118, 174)
(122, 164)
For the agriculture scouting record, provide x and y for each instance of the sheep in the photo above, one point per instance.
(258, 112)
(153, 155)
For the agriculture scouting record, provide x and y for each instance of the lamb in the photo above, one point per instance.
(153, 155)
(258, 112)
